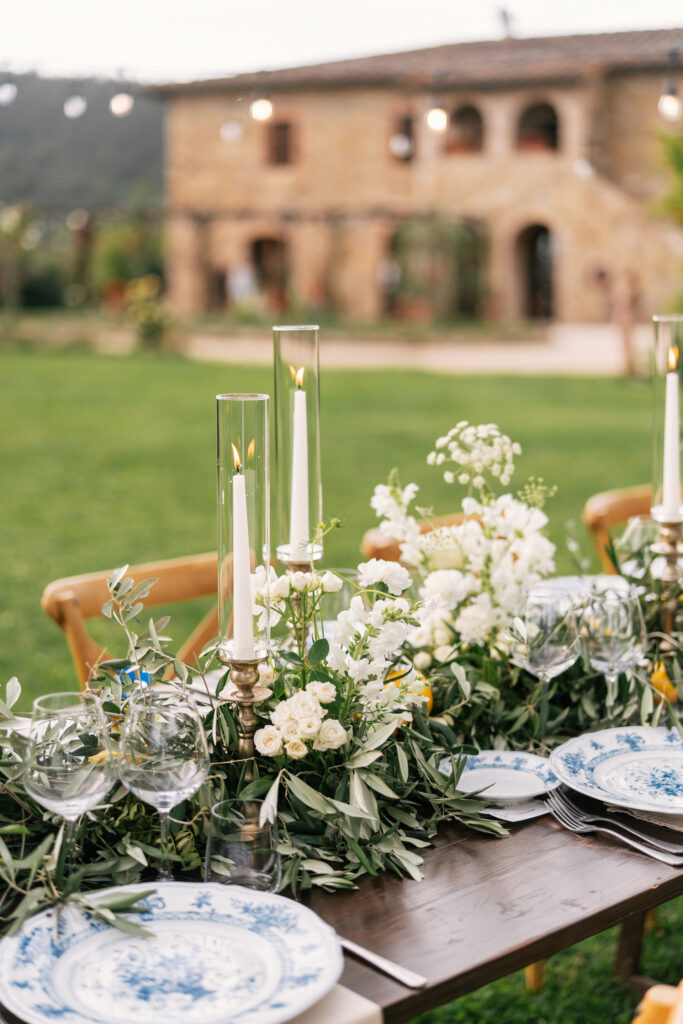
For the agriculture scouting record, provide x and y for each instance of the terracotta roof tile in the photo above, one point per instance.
(486, 64)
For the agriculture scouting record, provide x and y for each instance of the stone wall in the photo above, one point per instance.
(335, 206)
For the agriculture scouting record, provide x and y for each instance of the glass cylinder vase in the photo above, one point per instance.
(297, 444)
(666, 460)
(243, 526)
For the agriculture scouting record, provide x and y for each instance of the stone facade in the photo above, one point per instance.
(316, 231)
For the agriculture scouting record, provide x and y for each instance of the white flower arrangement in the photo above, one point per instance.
(300, 720)
(473, 572)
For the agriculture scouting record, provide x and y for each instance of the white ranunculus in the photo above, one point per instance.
(331, 584)
(331, 736)
(296, 749)
(394, 576)
(324, 692)
(268, 741)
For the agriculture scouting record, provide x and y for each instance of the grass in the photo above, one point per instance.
(107, 460)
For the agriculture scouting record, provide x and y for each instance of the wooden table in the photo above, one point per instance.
(488, 906)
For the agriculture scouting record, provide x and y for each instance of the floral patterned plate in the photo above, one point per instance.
(506, 776)
(219, 954)
(636, 767)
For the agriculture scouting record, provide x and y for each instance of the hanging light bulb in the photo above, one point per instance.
(669, 105)
(437, 118)
(75, 107)
(121, 104)
(8, 93)
(261, 108)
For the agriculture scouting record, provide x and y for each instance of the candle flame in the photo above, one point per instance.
(300, 377)
(236, 457)
(252, 448)
(673, 357)
(293, 372)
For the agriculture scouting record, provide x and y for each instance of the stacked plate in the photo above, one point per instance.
(216, 954)
(636, 768)
(505, 777)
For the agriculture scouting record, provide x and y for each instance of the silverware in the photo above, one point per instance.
(406, 977)
(564, 801)
(572, 824)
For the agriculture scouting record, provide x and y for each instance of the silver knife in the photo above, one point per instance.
(401, 974)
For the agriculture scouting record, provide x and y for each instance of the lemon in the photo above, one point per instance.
(662, 684)
(426, 692)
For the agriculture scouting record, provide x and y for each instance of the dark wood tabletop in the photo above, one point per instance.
(490, 906)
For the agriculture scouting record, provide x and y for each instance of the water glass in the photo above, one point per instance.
(163, 756)
(613, 630)
(242, 846)
(70, 764)
(549, 616)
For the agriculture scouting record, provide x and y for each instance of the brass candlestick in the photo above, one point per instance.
(245, 692)
(667, 547)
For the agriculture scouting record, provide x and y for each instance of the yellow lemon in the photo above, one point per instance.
(662, 684)
(426, 692)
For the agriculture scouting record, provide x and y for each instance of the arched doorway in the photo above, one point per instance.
(270, 264)
(534, 254)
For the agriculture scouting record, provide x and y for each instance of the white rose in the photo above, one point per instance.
(280, 713)
(303, 705)
(265, 673)
(422, 660)
(268, 741)
(296, 749)
(309, 727)
(323, 692)
(332, 735)
(290, 730)
(331, 583)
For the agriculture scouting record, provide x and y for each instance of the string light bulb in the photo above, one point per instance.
(437, 118)
(261, 109)
(669, 105)
(121, 104)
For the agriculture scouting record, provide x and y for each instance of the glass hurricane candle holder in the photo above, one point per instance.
(297, 444)
(243, 526)
(666, 462)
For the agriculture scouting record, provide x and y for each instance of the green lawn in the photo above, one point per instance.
(107, 460)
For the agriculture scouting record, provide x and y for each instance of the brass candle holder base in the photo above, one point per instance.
(667, 547)
(245, 692)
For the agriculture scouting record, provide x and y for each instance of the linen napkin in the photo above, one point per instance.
(341, 1006)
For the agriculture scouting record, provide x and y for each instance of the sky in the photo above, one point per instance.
(165, 40)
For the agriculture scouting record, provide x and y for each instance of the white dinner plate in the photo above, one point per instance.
(636, 767)
(506, 776)
(218, 954)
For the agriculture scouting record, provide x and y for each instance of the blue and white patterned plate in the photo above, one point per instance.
(219, 954)
(508, 775)
(637, 767)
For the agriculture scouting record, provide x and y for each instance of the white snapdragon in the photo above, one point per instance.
(393, 575)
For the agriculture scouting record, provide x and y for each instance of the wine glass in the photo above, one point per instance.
(613, 630)
(163, 756)
(549, 643)
(70, 764)
(242, 846)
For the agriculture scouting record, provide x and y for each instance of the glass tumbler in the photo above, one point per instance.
(242, 846)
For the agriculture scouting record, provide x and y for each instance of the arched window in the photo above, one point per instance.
(538, 128)
(534, 252)
(465, 131)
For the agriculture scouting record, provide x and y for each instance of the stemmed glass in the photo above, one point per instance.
(613, 630)
(549, 645)
(163, 756)
(69, 765)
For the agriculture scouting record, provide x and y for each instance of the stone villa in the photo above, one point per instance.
(536, 195)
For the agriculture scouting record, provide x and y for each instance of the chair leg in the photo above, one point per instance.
(534, 976)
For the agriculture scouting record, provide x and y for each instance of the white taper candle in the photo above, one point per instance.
(243, 620)
(299, 527)
(671, 475)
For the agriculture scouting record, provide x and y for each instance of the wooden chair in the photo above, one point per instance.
(376, 543)
(604, 511)
(662, 1004)
(75, 599)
